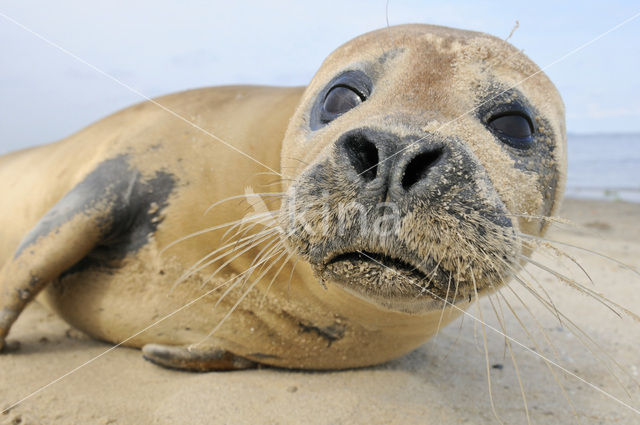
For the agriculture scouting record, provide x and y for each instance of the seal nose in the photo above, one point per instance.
(419, 166)
(363, 155)
(391, 167)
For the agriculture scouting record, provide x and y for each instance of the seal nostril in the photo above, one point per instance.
(363, 156)
(419, 167)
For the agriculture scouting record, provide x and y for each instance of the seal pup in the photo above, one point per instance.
(409, 165)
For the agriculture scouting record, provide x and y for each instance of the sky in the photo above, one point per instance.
(157, 47)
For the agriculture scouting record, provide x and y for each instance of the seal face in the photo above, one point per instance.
(423, 149)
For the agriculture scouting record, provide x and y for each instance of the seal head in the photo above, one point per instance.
(417, 157)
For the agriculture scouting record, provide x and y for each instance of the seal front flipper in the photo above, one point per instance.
(47, 251)
(194, 359)
(101, 219)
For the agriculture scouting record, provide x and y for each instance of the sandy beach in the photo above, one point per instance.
(443, 382)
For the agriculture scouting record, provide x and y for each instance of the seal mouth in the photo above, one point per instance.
(392, 282)
(403, 267)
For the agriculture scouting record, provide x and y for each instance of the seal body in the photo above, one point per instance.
(398, 183)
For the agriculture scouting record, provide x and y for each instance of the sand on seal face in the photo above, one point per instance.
(444, 381)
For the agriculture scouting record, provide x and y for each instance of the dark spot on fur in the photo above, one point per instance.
(7, 316)
(331, 333)
(34, 281)
(263, 356)
(127, 207)
(24, 294)
(108, 182)
(389, 54)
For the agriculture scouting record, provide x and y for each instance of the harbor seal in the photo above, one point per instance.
(404, 174)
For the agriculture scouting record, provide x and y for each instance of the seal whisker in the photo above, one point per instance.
(544, 291)
(293, 268)
(546, 218)
(543, 332)
(203, 231)
(239, 243)
(206, 261)
(542, 242)
(590, 251)
(242, 277)
(501, 322)
(444, 304)
(560, 253)
(240, 299)
(265, 203)
(244, 197)
(579, 333)
(275, 276)
(238, 254)
(504, 350)
(486, 349)
(453, 302)
(260, 207)
(274, 252)
(524, 270)
(583, 337)
(456, 340)
(457, 280)
(275, 182)
(266, 252)
(553, 309)
(234, 285)
(265, 173)
(240, 236)
(583, 289)
(278, 180)
(296, 159)
(277, 245)
(249, 224)
(611, 305)
(547, 363)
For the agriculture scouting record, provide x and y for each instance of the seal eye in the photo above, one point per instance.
(514, 129)
(341, 99)
(343, 93)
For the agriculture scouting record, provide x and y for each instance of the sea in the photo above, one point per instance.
(604, 167)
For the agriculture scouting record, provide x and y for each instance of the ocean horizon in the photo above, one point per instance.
(604, 166)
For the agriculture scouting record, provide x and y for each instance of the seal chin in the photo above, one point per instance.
(390, 282)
